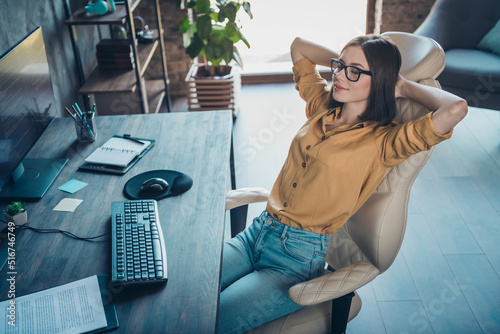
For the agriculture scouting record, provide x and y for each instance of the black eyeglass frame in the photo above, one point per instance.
(345, 67)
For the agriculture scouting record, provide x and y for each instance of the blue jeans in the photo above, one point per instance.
(259, 265)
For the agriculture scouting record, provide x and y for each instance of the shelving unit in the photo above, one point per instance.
(118, 92)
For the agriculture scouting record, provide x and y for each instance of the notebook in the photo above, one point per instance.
(117, 151)
(117, 155)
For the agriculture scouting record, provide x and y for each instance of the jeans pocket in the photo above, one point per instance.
(300, 250)
(259, 243)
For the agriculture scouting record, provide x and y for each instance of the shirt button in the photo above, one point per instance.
(308, 147)
(285, 204)
(323, 138)
(275, 215)
(304, 164)
(294, 185)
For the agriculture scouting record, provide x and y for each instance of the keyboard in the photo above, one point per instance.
(138, 248)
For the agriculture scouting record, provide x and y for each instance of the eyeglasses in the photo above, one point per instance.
(352, 73)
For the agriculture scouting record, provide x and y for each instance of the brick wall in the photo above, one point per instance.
(399, 15)
(178, 62)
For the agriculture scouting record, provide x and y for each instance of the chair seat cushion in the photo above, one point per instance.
(470, 69)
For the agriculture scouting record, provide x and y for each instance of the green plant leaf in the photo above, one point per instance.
(233, 32)
(185, 25)
(14, 208)
(229, 11)
(192, 4)
(194, 49)
(188, 36)
(220, 15)
(203, 6)
(228, 50)
(204, 26)
(237, 58)
(246, 7)
(244, 40)
(211, 54)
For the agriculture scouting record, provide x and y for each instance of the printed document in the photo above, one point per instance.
(71, 308)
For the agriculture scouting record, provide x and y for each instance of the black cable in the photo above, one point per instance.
(66, 233)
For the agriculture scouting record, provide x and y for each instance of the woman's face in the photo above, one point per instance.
(352, 92)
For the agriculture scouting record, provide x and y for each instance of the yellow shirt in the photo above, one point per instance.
(327, 176)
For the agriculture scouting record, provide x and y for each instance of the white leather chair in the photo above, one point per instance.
(368, 243)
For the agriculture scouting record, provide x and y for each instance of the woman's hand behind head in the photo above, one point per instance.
(399, 93)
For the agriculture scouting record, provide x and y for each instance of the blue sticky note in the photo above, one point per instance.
(72, 186)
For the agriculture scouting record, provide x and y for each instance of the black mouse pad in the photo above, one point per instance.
(132, 188)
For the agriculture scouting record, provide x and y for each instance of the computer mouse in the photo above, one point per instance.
(155, 185)
(181, 184)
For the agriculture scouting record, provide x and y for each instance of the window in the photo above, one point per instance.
(277, 22)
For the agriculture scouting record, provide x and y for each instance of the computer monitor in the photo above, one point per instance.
(27, 108)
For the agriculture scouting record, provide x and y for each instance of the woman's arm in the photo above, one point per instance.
(448, 109)
(316, 53)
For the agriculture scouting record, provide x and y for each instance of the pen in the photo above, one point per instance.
(82, 118)
(76, 114)
(78, 109)
(127, 136)
(74, 117)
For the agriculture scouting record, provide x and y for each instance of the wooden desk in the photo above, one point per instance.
(197, 144)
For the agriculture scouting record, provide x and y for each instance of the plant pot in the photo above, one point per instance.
(218, 92)
(19, 219)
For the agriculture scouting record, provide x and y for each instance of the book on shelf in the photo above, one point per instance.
(109, 45)
(115, 64)
(114, 55)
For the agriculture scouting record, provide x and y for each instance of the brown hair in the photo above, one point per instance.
(384, 59)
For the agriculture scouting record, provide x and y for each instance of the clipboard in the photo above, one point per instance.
(109, 306)
(114, 169)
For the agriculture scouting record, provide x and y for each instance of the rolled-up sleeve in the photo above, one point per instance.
(401, 140)
(311, 86)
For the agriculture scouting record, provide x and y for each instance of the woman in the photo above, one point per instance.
(336, 160)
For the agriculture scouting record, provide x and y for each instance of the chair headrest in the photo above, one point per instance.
(422, 57)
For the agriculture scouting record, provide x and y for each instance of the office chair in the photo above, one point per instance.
(368, 243)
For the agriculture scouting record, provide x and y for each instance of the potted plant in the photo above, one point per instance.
(211, 29)
(16, 213)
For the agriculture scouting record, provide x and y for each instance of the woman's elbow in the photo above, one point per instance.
(295, 42)
(295, 49)
(446, 118)
(460, 109)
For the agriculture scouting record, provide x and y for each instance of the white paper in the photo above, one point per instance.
(68, 204)
(71, 308)
(117, 152)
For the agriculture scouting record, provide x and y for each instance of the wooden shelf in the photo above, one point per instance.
(127, 103)
(80, 17)
(117, 91)
(156, 94)
(119, 81)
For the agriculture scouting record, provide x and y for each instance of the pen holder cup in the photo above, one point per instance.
(86, 132)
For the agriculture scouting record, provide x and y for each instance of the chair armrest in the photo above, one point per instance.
(243, 196)
(333, 285)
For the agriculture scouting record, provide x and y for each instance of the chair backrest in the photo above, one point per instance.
(460, 24)
(375, 232)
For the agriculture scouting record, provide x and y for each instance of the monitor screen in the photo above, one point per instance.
(26, 109)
